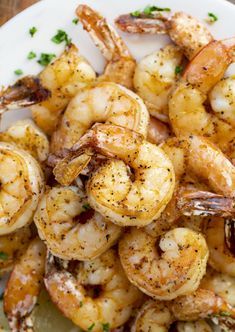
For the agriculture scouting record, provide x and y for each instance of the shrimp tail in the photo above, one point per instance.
(206, 203)
(25, 92)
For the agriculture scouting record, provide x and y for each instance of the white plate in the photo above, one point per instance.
(50, 15)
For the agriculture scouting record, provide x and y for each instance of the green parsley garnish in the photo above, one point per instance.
(90, 328)
(46, 58)
(60, 37)
(150, 9)
(17, 72)
(80, 304)
(32, 31)
(212, 18)
(31, 55)
(178, 70)
(225, 313)
(86, 206)
(75, 20)
(136, 13)
(3, 256)
(105, 327)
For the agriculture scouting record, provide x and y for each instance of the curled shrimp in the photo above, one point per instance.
(111, 190)
(12, 246)
(120, 63)
(155, 77)
(106, 102)
(158, 131)
(21, 187)
(70, 228)
(24, 286)
(198, 326)
(176, 269)
(27, 136)
(184, 30)
(95, 293)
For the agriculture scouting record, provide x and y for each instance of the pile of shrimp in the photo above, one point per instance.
(118, 195)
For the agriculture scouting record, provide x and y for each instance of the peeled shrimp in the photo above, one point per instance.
(24, 286)
(12, 246)
(27, 136)
(120, 63)
(111, 191)
(158, 131)
(95, 293)
(155, 78)
(64, 78)
(176, 271)
(221, 258)
(198, 326)
(184, 30)
(106, 102)
(70, 228)
(21, 187)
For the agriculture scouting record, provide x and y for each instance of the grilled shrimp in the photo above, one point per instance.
(92, 294)
(111, 190)
(221, 257)
(106, 102)
(70, 228)
(120, 63)
(184, 30)
(176, 271)
(155, 77)
(27, 136)
(12, 246)
(24, 286)
(198, 326)
(187, 112)
(21, 187)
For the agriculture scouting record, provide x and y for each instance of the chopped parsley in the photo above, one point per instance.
(225, 313)
(90, 328)
(105, 327)
(86, 206)
(178, 70)
(31, 55)
(150, 9)
(75, 20)
(32, 31)
(80, 304)
(3, 256)
(212, 18)
(60, 37)
(46, 58)
(136, 13)
(17, 72)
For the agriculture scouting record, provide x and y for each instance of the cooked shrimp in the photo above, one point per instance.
(187, 113)
(64, 78)
(24, 286)
(198, 326)
(221, 258)
(96, 293)
(222, 99)
(70, 228)
(120, 63)
(27, 136)
(176, 271)
(155, 77)
(21, 187)
(221, 284)
(184, 30)
(12, 246)
(111, 191)
(106, 102)
(158, 131)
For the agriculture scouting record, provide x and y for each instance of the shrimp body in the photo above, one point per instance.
(13, 246)
(198, 326)
(113, 296)
(70, 228)
(21, 187)
(155, 77)
(176, 271)
(184, 30)
(63, 78)
(27, 136)
(24, 286)
(106, 102)
(120, 63)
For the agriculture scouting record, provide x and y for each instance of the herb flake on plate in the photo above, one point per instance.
(32, 31)
(31, 55)
(60, 37)
(46, 58)
(17, 72)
